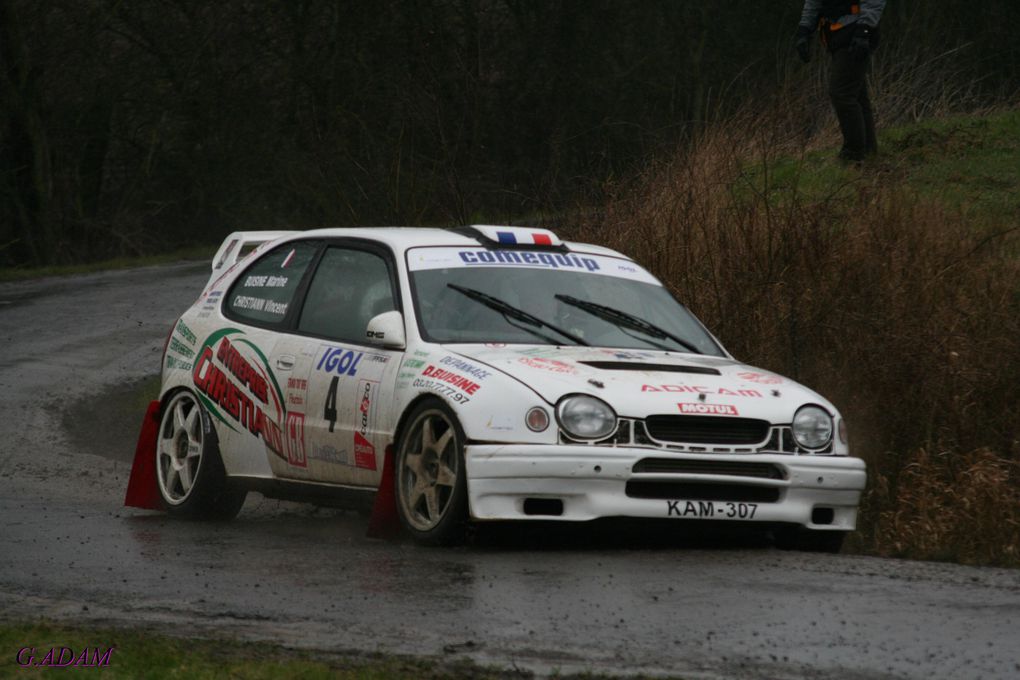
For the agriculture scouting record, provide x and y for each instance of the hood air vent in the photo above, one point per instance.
(641, 366)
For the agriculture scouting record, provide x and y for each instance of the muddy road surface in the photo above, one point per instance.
(80, 355)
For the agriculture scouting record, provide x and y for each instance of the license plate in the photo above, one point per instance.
(711, 509)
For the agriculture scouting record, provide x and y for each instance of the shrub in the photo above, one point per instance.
(896, 307)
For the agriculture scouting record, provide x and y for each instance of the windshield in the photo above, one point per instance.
(549, 287)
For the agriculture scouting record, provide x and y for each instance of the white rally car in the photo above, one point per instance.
(511, 376)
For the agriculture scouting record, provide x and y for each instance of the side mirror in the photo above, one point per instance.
(387, 330)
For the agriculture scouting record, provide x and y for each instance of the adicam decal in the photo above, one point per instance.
(701, 389)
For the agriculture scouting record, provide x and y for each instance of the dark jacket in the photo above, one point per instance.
(838, 13)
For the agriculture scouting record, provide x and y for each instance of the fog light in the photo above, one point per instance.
(537, 419)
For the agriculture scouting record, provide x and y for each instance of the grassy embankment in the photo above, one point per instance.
(140, 655)
(892, 288)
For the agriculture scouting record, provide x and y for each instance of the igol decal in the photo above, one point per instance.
(224, 377)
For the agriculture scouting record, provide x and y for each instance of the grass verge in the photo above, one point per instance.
(195, 253)
(139, 655)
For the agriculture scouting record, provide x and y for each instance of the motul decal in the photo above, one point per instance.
(709, 409)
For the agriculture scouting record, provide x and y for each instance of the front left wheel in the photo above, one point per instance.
(189, 471)
(431, 479)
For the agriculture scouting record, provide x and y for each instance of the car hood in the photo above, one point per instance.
(638, 383)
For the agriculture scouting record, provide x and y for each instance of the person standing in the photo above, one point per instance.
(849, 30)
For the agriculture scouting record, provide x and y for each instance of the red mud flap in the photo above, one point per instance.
(142, 491)
(384, 522)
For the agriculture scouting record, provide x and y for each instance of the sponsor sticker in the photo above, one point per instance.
(296, 440)
(708, 409)
(452, 378)
(364, 450)
(180, 348)
(551, 365)
(185, 332)
(441, 389)
(232, 384)
(175, 363)
(465, 367)
(701, 389)
(420, 259)
(760, 378)
(339, 361)
(328, 453)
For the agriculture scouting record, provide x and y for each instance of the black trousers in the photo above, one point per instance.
(848, 91)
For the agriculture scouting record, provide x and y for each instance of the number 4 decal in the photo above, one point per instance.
(329, 410)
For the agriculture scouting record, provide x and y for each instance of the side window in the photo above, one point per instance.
(264, 292)
(347, 290)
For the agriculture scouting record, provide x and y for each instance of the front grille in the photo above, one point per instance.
(694, 491)
(709, 467)
(707, 429)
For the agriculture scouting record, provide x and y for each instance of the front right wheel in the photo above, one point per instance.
(431, 480)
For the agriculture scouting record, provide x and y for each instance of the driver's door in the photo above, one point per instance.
(345, 383)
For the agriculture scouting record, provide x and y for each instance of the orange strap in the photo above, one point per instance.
(835, 26)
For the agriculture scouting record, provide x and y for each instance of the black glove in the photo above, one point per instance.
(803, 43)
(860, 43)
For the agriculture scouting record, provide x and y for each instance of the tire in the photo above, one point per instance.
(189, 471)
(809, 540)
(431, 480)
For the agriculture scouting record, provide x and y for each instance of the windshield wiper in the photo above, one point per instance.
(511, 312)
(624, 320)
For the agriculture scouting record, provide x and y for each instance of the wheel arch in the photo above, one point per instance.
(398, 431)
(208, 427)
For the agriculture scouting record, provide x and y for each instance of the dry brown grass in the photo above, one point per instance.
(894, 306)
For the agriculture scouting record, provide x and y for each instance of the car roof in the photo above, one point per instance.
(401, 239)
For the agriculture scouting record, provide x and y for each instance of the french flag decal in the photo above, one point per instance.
(509, 237)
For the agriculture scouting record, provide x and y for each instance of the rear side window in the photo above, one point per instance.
(264, 292)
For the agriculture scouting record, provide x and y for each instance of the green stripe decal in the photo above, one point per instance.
(213, 410)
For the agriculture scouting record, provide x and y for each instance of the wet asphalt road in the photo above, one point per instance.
(607, 599)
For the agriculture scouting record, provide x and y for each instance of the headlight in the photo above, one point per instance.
(812, 427)
(585, 417)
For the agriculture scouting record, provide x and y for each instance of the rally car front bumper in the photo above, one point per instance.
(578, 482)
